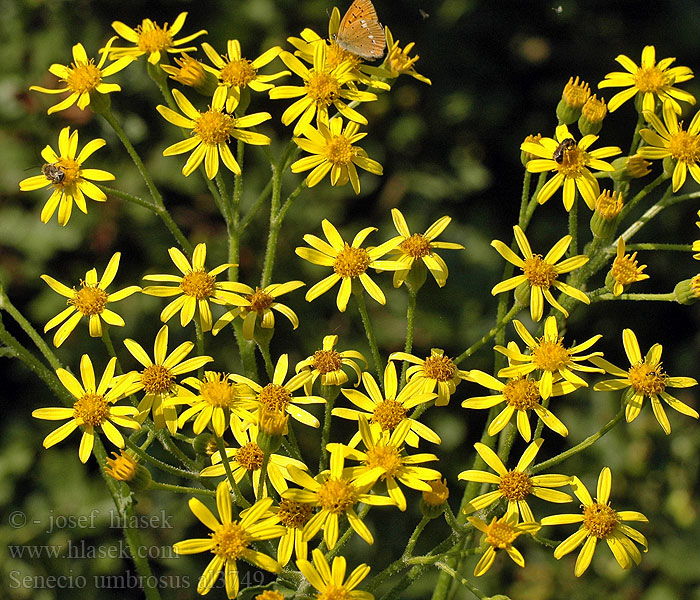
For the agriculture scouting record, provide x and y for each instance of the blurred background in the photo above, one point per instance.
(451, 148)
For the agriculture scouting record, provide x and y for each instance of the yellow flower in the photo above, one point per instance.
(83, 78)
(599, 522)
(348, 261)
(683, 146)
(549, 356)
(332, 151)
(385, 458)
(571, 161)
(625, 269)
(248, 460)
(237, 74)
(323, 87)
(260, 304)
(158, 377)
(398, 62)
(435, 371)
(294, 516)
(191, 72)
(420, 247)
(335, 494)
(696, 243)
(218, 401)
(195, 289)
(385, 410)
(211, 132)
(540, 274)
(521, 395)
(94, 407)
(514, 485)
(500, 535)
(64, 171)
(89, 301)
(149, 38)
(328, 580)
(644, 379)
(277, 395)
(327, 363)
(648, 82)
(230, 540)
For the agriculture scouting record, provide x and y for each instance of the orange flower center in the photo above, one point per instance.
(91, 409)
(538, 272)
(336, 55)
(388, 413)
(238, 72)
(515, 486)
(573, 161)
(157, 379)
(230, 541)
(387, 458)
(417, 246)
(339, 150)
(522, 394)
(337, 495)
(82, 77)
(685, 147)
(275, 397)
(625, 269)
(214, 127)
(198, 284)
(218, 391)
(153, 38)
(327, 361)
(294, 514)
(549, 354)
(351, 261)
(650, 79)
(609, 205)
(647, 379)
(400, 60)
(322, 88)
(259, 301)
(89, 300)
(190, 72)
(439, 368)
(249, 456)
(121, 466)
(501, 534)
(600, 520)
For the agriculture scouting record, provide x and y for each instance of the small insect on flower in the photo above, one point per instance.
(53, 172)
(360, 31)
(562, 149)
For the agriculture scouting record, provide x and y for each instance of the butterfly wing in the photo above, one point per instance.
(360, 31)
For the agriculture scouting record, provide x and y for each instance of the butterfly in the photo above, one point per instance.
(360, 31)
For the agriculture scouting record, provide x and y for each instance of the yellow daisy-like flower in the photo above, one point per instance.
(348, 261)
(191, 72)
(644, 379)
(386, 410)
(549, 356)
(696, 243)
(670, 139)
(332, 150)
(64, 171)
(625, 269)
(420, 248)
(521, 395)
(260, 304)
(277, 395)
(435, 371)
(327, 364)
(330, 580)
(294, 516)
(335, 493)
(157, 378)
(211, 132)
(196, 288)
(248, 459)
(218, 401)
(648, 82)
(385, 458)
(153, 40)
(89, 301)
(398, 60)
(500, 535)
(94, 407)
(83, 78)
(540, 274)
(230, 540)
(323, 87)
(571, 161)
(599, 522)
(237, 74)
(515, 485)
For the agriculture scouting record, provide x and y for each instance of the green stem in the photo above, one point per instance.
(180, 489)
(367, 323)
(670, 297)
(507, 318)
(237, 495)
(413, 540)
(262, 482)
(410, 326)
(655, 246)
(330, 393)
(573, 229)
(445, 568)
(253, 210)
(163, 466)
(589, 441)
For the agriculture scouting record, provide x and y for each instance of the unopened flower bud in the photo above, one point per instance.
(123, 467)
(432, 503)
(688, 290)
(604, 219)
(572, 100)
(525, 157)
(592, 115)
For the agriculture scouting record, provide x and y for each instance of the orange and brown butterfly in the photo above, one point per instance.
(360, 31)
